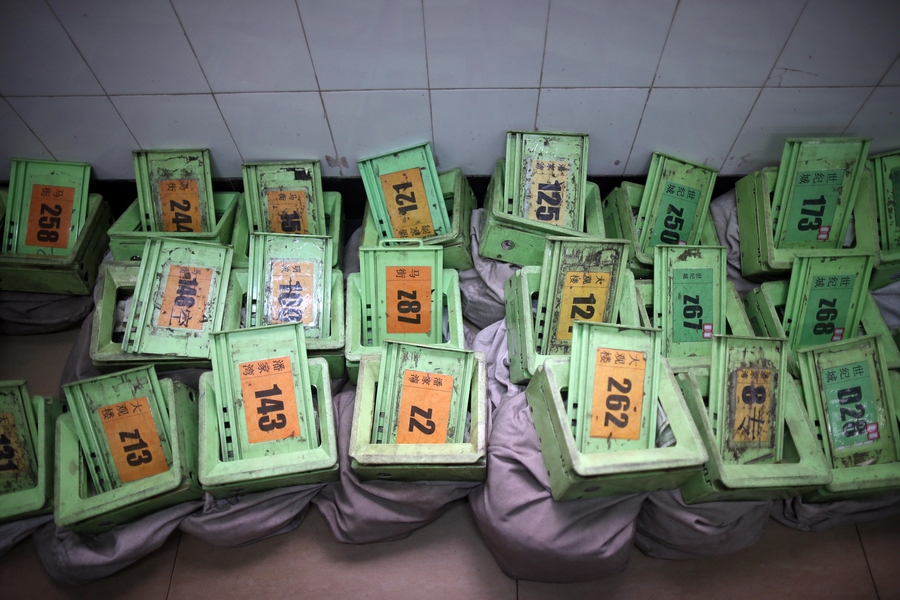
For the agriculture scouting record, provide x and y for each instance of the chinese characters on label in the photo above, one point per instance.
(752, 406)
(270, 404)
(179, 201)
(546, 191)
(185, 297)
(133, 439)
(50, 216)
(288, 211)
(291, 296)
(618, 396)
(407, 204)
(424, 416)
(409, 299)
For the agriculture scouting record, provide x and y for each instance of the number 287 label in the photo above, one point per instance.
(424, 408)
(409, 299)
(618, 394)
(133, 439)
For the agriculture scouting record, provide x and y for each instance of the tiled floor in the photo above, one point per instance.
(446, 559)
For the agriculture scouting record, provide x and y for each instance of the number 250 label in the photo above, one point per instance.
(618, 394)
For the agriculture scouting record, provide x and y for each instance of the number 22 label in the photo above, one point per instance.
(424, 408)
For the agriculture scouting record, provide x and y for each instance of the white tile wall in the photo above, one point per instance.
(790, 112)
(82, 129)
(183, 121)
(342, 80)
(21, 142)
(466, 132)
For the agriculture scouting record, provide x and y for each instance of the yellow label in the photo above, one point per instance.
(133, 439)
(618, 394)
(50, 216)
(546, 201)
(584, 295)
(270, 405)
(12, 455)
(424, 408)
(292, 296)
(753, 402)
(409, 299)
(407, 204)
(185, 297)
(179, 200)
(288, 211)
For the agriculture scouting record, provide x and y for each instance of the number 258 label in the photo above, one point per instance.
(50, 216)
(618, 394)
(424, 408)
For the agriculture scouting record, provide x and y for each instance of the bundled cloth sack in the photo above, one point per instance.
(360, 512)
(15, 531)
(531, 535)
(669, 528)
(481, 288)
(820, 516)
(30, 313)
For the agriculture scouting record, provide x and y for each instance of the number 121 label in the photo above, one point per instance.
(407, 204)
(424, 408)
(618, 394)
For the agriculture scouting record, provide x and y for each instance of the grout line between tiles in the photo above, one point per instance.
(650, 89)
(762, 87)
(174, 562)
(40, 141)
(868, 566)
(877, 85)
(337, 157)
(428, 82)
(206, 79)
(537, 106)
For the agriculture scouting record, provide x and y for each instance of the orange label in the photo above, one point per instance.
(292, 299)
(50, 216)
(409, 299)
(546, 200)
(179, 200)
(133, 439)
(185, 297)
(424, 408)
(584, 296)
(753, 402)
(407, 204)
(618, 394)
(270, 405)
(12, 455)
(287, 211)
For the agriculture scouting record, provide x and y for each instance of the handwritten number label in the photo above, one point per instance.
(270, 405)
(50, 216)
(409, 299)
(184, 297)
(133, 439)
(584, 296)
(404, 192)
(618, 396)
(752, 406)
(425, 399)
(180, 203)
(674, 224)
(288, 211)
(12, 455)
(546, 190)
(290, 294)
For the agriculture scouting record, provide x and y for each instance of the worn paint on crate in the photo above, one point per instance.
(424, 411)
(15, 471)
(750, 419)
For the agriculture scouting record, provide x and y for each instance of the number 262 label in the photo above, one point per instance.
(618, 394)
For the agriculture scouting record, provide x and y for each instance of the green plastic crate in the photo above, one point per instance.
(72, 274)
(117, 282)
(224, 479)
(521, 290)
(815, 190)
(675, 202)
(509, 237)
(850, 396)
(801, 469)
(46, 207)
(359, 341)
(881, 187)
(689, 300)
(284, 197)
(80, 507)
(825, 298)
(290, 281)
(760, 258)
(175, 190)
(27, 425)
(269, 422)
(404, 194)
(461, 461)
(334, 229)
(457, 243)
(178, 298)
(128, 235)
(575, 475)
